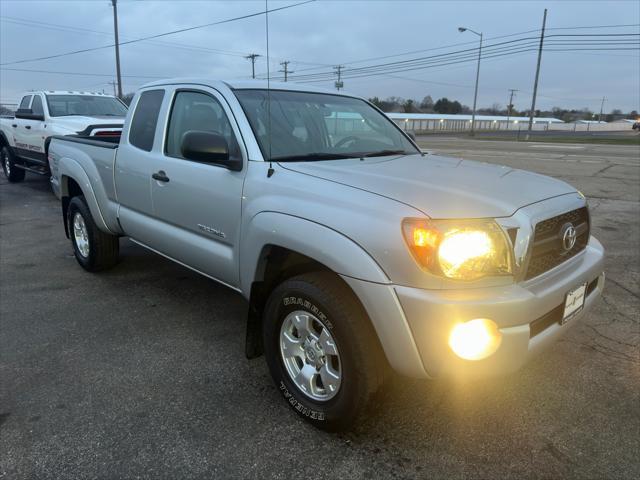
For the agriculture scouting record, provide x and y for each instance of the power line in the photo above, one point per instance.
(81, 74)
(511, 52)
(469, 43)
(66, 28)
(182, 30)
(510, 47)
(596, 26)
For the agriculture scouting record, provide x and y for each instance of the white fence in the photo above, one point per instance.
(420, 126)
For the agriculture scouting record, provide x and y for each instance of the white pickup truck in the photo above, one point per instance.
(354, 250)
(25, 137)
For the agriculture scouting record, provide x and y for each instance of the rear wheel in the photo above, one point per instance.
(13, 173)
(94, 249)
(321, 350)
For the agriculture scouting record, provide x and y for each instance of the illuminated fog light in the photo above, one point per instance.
(475, 339)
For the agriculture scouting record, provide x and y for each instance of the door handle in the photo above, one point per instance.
(14, 125)
(160, 176)
(28, 127)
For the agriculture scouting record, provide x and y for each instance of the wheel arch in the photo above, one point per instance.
(69, 188)
(4, 142)
(272, 253)
(74, 181)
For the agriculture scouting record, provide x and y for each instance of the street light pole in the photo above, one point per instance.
(475, 95)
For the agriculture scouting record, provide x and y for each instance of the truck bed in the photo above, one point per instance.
(96, 157)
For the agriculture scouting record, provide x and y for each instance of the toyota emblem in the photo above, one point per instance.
(568, 235)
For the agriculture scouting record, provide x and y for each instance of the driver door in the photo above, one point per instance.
(199, 204)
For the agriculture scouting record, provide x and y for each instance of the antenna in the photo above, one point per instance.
(266, 19)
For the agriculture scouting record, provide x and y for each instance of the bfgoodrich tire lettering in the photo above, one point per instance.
(361, 362)
(94, 249)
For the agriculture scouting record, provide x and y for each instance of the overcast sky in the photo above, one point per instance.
(322, 34)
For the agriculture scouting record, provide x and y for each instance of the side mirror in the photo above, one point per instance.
(28, 114)
(411, 135)
(208, 147)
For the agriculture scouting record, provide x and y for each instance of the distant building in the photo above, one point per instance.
(590, 122)
(419, 122)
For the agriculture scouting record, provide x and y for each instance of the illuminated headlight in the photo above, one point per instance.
(463, 250)
(475, 339)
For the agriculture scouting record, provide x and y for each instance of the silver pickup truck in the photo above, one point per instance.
(355, 251)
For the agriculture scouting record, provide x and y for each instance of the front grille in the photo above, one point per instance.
(548, 251)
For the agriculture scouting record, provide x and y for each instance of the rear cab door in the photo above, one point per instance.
(135, 165)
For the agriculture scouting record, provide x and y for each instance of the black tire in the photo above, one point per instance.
(13, 173)
(361, 360)
(103, 247)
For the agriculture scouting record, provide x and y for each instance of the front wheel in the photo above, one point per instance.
(321, 349)
(13, 173)
(94, 249)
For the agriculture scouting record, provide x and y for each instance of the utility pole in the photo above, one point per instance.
(339, 83)
(535, 83)
(601, 108)
(252, 57)
(115, 31)
(286, 70)
(510, 105)
(475, 94)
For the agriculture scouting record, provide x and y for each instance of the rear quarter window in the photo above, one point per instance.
(145, 118)
(25, 101)
(36, 106)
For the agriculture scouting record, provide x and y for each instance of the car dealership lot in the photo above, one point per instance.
(140, 371)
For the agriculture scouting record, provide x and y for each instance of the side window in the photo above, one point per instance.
(25, 101)
(200, 112)
(36, 106)
(145, 119)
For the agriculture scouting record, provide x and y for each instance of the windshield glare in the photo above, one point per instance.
(86, 105)
(317, 126)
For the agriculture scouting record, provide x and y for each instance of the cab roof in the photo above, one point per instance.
(245, 84)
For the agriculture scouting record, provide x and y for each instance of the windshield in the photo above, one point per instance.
(315, 126)
(86, 105)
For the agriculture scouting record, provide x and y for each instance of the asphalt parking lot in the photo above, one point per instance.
(139, 372)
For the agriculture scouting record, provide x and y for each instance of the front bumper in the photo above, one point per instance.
(414, 330)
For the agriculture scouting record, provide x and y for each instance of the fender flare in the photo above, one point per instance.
(70, 168)
(321, 243)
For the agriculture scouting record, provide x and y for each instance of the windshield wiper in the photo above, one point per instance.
(384, 153)
(314, 157)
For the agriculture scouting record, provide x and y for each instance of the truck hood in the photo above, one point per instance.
(440, 187)
(77, 123)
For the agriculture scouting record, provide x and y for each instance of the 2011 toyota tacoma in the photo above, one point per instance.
(354, 250)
